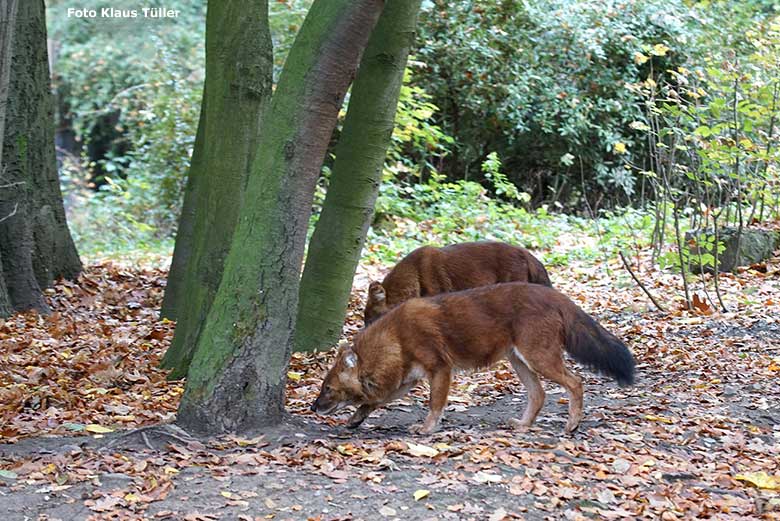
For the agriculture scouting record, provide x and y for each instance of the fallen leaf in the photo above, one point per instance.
(498, 515)
(421, 493)
(97, 429)
(760, 480)
(487, 477)
(421, 450)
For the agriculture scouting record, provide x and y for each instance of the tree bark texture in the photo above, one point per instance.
(239, 77)
(35, 243)
(8, 11)
(237, 377)
(335, 247)
(182, 251)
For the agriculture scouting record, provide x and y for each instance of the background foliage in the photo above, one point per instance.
(513, 111)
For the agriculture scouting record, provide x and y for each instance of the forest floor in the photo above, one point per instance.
(698, 436)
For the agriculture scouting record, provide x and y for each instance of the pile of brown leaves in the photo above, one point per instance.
(92, 366)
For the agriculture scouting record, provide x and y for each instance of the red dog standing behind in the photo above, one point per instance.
(429, 271)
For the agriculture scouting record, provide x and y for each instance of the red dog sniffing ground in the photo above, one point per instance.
(528, 324)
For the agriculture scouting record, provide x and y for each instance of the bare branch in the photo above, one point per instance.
(13, 212)
(640, 284)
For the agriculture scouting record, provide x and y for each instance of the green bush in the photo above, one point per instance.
(542, 84)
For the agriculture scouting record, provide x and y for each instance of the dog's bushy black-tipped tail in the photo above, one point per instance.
(598, 349)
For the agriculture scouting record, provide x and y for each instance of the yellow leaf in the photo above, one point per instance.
(653, 417)
(132, 498)
(619, 148)
(660, 49)
(442, 446)
(98, 429)
(226, 494)
(421, 450)
(640, 58)
(171, 470)
(421, 493)
(242, 442)
(760, 480)
(294, 376)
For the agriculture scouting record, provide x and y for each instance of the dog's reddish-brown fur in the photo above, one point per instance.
(429, 271)
(528, 324)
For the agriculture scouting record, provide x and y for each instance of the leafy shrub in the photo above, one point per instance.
(542, 84)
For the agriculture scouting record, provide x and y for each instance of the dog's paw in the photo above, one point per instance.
(518, 425)
(423, 429)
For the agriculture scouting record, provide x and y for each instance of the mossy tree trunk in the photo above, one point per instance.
(237, 377)
(35, 243)
(182, 251)
(239, 67)
(335, 247)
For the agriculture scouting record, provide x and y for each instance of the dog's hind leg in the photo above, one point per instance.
(534, 388)
(440, 389)
(554, 369)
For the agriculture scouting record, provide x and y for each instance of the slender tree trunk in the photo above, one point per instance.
(5, 300)
(182, 251)
(35, 243)
(335, 247)
(239, 67)
(237, 377)
(7, 25)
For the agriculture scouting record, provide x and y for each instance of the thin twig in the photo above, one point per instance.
(640, 284)
(13, 212)
(146, 440)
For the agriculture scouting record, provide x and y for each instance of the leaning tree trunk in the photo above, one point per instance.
(35, 243)
(239, 67)
(334, 249)
(182, 251)
(237, 377)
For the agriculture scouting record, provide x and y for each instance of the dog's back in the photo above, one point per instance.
(429, 271)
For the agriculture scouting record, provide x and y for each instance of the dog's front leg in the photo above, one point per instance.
(360, 415)
(440, 390)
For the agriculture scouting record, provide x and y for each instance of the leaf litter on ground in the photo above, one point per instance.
(698, 436)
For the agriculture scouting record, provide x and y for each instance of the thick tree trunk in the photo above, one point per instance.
(237, 377)
(35, 243)
(239, 67)
(335, 247)
(182, 251)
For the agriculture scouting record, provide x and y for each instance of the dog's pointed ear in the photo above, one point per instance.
(350, 358)
(376, 292)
